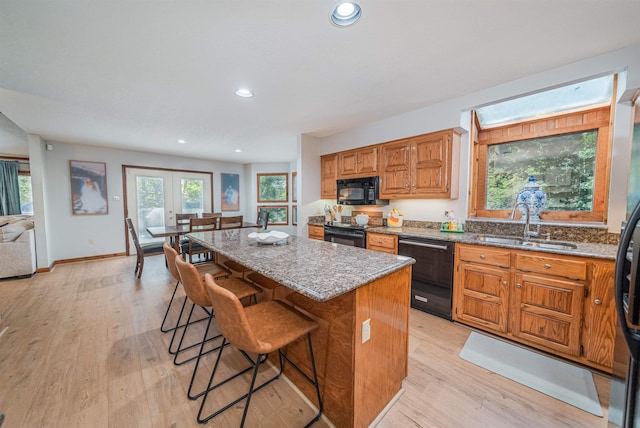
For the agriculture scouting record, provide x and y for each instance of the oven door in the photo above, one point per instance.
(345, 237)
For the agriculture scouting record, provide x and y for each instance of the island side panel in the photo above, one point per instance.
(333, 351)
(381, 362)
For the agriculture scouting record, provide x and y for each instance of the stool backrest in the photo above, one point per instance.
(233, 222)
(171, 256)
(216, 215)
(192, 283)
(230, 317)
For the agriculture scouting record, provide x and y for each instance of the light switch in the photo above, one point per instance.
(366, 330)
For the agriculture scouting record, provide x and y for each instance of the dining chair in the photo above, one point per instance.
(244, 328)
(142, 251)
(232, 222)
(206, 224)
(182, 219)
(263, 219)
(197, 293)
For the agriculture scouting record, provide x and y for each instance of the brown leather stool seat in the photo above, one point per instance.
(258, 329)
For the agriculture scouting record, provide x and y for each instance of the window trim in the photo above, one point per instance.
(286, 186)
(286, 209)
(599, 119)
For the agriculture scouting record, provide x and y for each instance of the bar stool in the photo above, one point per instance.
(260, 329)
(214, 269)
(194, 287)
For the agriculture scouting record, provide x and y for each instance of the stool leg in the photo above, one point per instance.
(166, 314)
(253, 382)
(315, 383)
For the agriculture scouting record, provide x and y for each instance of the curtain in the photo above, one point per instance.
(9, 188)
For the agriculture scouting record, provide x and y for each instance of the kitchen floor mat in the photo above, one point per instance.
(552, 377)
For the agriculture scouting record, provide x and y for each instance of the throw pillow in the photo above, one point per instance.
(10, 232)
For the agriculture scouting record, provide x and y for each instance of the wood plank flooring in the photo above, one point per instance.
(83, 349)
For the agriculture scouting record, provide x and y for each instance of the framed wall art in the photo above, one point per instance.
(230, 194)
(88, 188)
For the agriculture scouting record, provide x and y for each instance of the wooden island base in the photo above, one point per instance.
(357, 380)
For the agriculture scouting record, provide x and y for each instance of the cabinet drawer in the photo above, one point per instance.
(552, 266)
(316, 232)
(485, 255)
(381, 240)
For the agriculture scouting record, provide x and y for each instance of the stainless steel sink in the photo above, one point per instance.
(534, 243)
(553, 245)
(494, 239)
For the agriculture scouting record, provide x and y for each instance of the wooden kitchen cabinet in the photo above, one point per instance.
(560, 304)
(382, 242)
(481, 281)
(328, 176)
(424, 166)
(358, 163)
(316, 232)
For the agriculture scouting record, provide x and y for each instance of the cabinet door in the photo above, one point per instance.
(431, 165)
(367, 163)
(316, 232)
(328, 175)
(394, 172)
(548, 312)
(347, 163)
(481, 296)
(599, 331)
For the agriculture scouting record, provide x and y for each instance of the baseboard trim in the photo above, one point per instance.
(79, 259)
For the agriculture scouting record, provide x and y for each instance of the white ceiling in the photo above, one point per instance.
(142, 74)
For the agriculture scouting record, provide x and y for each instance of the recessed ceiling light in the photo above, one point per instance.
(238, 151)
(182, 142)
(244, 93)
(345, 14)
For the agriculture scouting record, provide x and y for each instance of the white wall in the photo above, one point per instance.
(62, 235)
(454, 113)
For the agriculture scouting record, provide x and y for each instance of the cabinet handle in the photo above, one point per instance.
(413, 185)
(504, 282)
(597, 302)
(482, 256)
(547, 266)
(518, 285)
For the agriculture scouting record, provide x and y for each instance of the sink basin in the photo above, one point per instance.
(510, 240)
(554, 245)
(535, 243)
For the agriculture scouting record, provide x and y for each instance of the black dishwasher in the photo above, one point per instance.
(432, 278)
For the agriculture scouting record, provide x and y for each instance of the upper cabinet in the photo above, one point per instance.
(328, 176)
(424, 166)
(358, 163)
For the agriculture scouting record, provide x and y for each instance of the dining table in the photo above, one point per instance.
(173, 232)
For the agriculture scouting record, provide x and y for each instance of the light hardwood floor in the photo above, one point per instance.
(83, 348)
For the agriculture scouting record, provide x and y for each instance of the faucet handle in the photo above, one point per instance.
(536, 233)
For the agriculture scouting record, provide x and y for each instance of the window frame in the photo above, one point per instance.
(286, 186)
(598, 118)
(286, 210)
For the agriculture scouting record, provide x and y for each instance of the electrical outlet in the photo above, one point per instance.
(366, 330)
(90, 241)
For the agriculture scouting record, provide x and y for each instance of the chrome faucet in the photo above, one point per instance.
(526, 233)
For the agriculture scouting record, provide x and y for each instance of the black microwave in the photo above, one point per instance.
(360, 191)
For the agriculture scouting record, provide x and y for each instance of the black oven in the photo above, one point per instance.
(345, 234)
(359, 191)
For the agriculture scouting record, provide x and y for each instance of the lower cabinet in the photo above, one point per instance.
(316, 232)
(559, 304)
(382, 242)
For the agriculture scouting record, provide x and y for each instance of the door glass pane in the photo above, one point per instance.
(150, 194)
(563, 166)
(192, 195)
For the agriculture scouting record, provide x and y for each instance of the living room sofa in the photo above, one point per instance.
(17, 246)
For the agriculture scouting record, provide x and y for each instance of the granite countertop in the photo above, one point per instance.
(317, 269)
(601, 251)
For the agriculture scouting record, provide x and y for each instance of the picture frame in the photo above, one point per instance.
(88, 182)
(273, 187)
(230, 194)
(278, 214)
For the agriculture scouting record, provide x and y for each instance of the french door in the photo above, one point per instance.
(154, 196)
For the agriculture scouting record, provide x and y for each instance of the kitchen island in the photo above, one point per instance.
(343, 289)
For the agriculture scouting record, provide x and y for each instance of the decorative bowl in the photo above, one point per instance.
(272, 237)
(362, 219)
